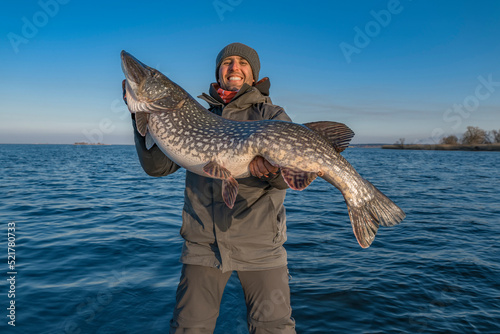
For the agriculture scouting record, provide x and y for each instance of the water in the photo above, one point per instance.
(97, 245)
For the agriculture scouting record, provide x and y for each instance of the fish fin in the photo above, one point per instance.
(149, 140)
(141, 122)
(366, 219)
(213, 169)
(229, 191)
(297, 179)
(229, 184)
(337, 134)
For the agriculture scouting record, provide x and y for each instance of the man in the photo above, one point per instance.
(247, 238)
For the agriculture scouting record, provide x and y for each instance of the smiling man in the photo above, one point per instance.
(238, 65)
(234, 71)
(249, 237)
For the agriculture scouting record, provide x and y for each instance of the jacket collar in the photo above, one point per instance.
(215, 100)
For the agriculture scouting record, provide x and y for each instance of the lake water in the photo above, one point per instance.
(97, 245)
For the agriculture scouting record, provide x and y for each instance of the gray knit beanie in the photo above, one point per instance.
(238, 49)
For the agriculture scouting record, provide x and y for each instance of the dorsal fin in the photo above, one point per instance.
(337, 134)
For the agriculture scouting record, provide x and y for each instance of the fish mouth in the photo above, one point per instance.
(139, 94)
(134, 70)
(136, 73)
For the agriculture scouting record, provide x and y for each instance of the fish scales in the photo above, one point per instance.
(212, 146)
(241, 141)
(237, 139)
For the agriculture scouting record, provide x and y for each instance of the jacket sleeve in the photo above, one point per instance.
(281, 115)
(153, 161)
(277, 181)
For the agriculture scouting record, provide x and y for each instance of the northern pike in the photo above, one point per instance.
(212, 146)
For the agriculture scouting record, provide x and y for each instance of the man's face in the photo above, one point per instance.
(234, 71)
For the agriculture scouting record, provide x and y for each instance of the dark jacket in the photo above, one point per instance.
(249, 236)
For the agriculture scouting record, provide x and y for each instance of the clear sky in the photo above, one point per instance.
(388, 69)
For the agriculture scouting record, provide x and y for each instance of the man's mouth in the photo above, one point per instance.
(234, 78)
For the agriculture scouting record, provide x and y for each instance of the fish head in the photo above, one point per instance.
(149, 90)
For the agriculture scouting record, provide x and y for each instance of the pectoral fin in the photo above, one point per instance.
(297, 179)
(229, 184)
(141, 122)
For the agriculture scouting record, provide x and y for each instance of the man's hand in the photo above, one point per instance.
(260, 167)
(124, 92)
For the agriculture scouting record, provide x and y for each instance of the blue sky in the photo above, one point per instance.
(388, 69)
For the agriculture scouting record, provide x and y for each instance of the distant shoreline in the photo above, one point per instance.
(86, 143)
(443, 147)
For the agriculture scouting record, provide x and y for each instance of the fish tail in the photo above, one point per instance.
(367, 218)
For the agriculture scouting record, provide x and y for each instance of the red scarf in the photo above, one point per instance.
(226, 95)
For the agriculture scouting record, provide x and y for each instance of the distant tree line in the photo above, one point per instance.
(473, 135)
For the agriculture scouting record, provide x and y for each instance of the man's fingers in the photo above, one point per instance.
(252, 168)
(270, 168)
(260, 167)
(124, 92)
(257, 165)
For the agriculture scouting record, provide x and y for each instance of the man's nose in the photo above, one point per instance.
(234, 66)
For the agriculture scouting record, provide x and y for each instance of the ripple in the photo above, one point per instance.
(98, 245)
